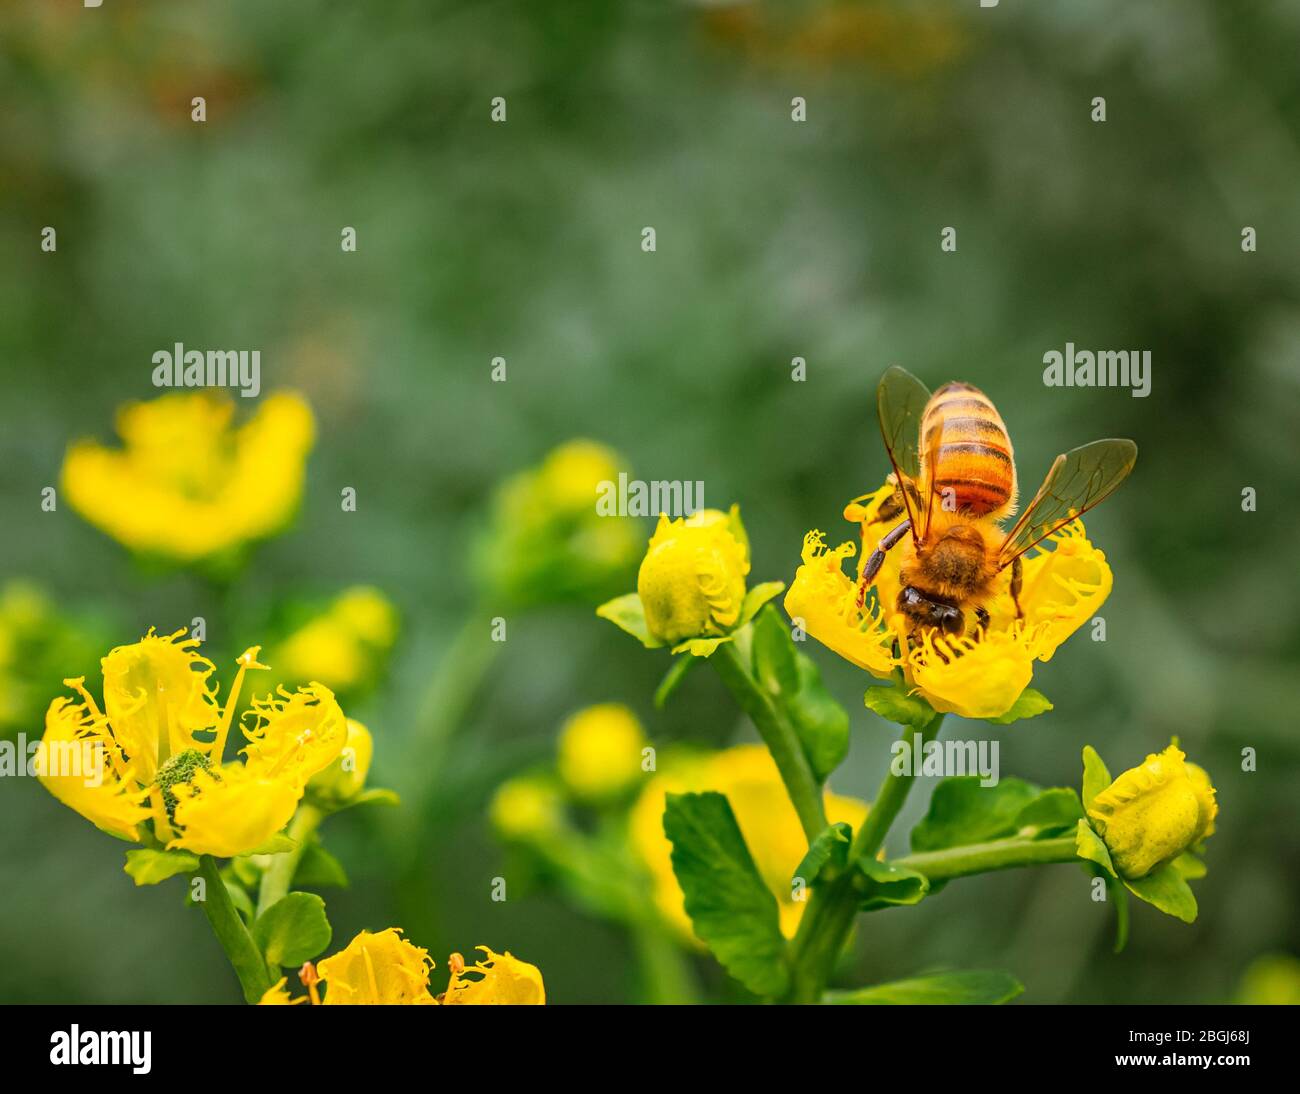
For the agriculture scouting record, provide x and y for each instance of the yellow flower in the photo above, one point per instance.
(749, 778)
(377, 969)
(691, 592)
(344, 646)
(187, 484)
(160, 742)
(692, 579)
(1271, 980)
(546, 541)
(346, 775)
(526, 808)
(295, 734)
(1152, 813)
(980, 675)
(600, 751)
(502, 980)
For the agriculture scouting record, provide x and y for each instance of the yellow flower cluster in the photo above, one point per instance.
(386, 969)
(187, 483)
(1066, 581)
(156, 750)
(748, 777)
(1154, 812)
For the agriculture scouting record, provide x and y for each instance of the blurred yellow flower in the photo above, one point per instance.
(160, 742)
(546, 542)
(1271, 980)
(187, 483)
(748, 777)
(600, 751)
(1154, 812)
(1065, 582)
(526, 807)
(343, 647)
(277, 995)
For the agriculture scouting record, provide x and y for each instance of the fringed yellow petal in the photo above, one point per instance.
(979, 677)
(377, 969)
(73, 763)
(823, 600)
(160, 699)
(501, 980)
(278, 996)
(1063, 587)
(295, 735)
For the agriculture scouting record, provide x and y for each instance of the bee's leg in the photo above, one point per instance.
(982, 618)
(877, 558)
(1017, 583)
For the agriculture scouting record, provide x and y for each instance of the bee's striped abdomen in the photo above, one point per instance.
(963, 436)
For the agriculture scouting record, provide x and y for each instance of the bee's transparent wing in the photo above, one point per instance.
(1078, 480)
(900, 402)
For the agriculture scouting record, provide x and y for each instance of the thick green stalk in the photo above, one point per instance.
(231, 933)
(829, 917)
(980, 858)
(279, 875)
(779, 736)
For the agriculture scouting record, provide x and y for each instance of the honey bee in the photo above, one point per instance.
(955, 477)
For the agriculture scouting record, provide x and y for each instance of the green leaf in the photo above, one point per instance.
(292, 930)
(1189, 866)
(240, 899)
(1095, 776)
(731, 909)
(318, 869)
(627, 613)
(822, 724)
(1053, 812)
(895, 705)
(964, 812)
(756, 597)
(773, 651)
(375, 795)
(1166, 888)
(673, 678)
(882, 884)
(148, 867)
(1030, 705)
(276, 845)
(944, 988)
(1089, 845)
(831, 847)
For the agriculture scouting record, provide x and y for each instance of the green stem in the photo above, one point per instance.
(279, 875)
(445, 704)
(779, 736)
(829, 917)
(980, 858)
(232, 934)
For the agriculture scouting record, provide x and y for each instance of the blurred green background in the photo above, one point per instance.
(776, 239)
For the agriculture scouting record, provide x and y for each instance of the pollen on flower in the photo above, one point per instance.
(180, 768)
